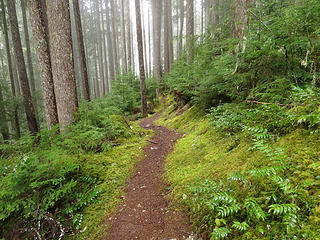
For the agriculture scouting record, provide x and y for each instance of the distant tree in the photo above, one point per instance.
(170, 34)
(123, 39)
(21, 66)
(4, 129)
(99, 42)
(104, 47)
(181, 26)
(166, 64)
(128, 33)
(44, 62)
(82, 54)
(157, 14)
(27, 40)
(58, 12)
(144, 43)
(143, 90)
(110, 44)
(190, 30)
(114, 35)
(10, 68)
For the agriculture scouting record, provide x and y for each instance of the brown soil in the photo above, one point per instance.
(144, 214)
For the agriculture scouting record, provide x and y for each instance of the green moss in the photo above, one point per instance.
(204, 153)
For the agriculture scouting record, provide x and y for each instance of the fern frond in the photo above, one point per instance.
(219, 233)
(224, 197)
(240, 226)
(225, 211)
(254, 209)
(283, 184)
(237, 177)
(282, 209)
(265, 171)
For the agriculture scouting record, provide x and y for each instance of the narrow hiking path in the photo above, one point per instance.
(144, 214)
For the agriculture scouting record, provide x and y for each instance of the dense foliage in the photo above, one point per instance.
(280, 50)
(46, 182)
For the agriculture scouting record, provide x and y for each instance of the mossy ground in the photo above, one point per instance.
(204, 153)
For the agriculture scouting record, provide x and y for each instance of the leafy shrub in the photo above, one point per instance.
(45, 184)
(261, 202)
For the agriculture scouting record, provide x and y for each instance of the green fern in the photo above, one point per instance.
(219, 233)
(240, 226)
(237, 177)
(282, 209)
(225, 211)
(254, 209)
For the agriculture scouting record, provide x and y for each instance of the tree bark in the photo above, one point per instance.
(82, 54)
(143, 90)
(170, 34)
(27, 41)
(123, 39)
(166, 63)
(157, 12)
(149, 37)
(240, 18)
(4, 128)
(110, 46)
(28, 104)
(58, 12)
(144, 43)
(114, 35)
(44, 62)
(181, 26)
(190, 30)
(99, 41)
(128, 35)
(105, 55)
(13, 90)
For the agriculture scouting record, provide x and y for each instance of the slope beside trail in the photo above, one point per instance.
(144, 214)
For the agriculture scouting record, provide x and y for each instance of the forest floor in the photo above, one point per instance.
(145, 213)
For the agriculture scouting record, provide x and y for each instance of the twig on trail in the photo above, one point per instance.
(152, 141)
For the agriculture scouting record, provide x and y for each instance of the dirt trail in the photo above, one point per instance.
(144, 214)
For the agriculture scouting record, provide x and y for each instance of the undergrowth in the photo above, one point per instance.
(64, 185)
(247, 171)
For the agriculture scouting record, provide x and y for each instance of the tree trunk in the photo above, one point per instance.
(181, 26)
(114, 35)
(128, 35)
(96, 82)
(143, 90)
(170, 34)
(149, 37)
(27, 40)
(82, 54)
(28, 104)
(144, 43)
(4, 128)
(166, 63)
(190, 30)
(105, 55)
(13, 90)
(123, 39)
(99, 41)
(110, 46)
(157, 13)
(44, 62)
(62, 60)
(240, 18)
